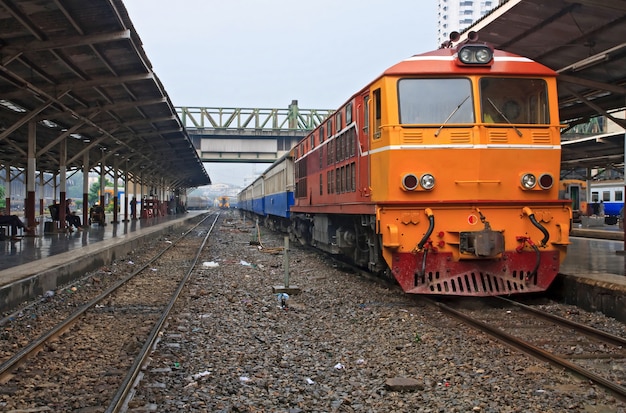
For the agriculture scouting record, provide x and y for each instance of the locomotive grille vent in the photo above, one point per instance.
(473, 283)
(460, 137)
(541, 137)
(498, 137)
(413, 137)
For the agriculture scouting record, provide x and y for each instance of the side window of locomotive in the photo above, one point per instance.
(511, 100)
(377, 114)
(435, 101)
(366, 115)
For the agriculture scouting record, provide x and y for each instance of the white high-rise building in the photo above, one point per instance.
(456, 15)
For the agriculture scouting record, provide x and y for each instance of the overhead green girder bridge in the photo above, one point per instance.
(247, 134)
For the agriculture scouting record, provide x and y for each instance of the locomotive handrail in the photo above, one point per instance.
(431, 227)
(479, 181)
(531, 216)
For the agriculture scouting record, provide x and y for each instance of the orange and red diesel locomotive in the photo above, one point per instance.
(442, 172)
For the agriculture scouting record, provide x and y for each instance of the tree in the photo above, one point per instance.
(94, 191)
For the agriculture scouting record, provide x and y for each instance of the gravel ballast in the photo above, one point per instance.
(343, 344)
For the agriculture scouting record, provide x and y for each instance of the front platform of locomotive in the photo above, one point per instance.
(470, 139)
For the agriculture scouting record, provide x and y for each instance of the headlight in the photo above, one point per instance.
(546, 181)
(427, 181)
(483, 55)
(529, 181)
(466, 55)
(475, 55)
(409, 182)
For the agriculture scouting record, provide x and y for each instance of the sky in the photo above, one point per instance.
(266, 53)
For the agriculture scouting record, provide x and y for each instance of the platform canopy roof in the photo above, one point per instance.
(75, 71)
(583, 40)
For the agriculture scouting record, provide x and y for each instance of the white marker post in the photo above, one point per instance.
(286, 288)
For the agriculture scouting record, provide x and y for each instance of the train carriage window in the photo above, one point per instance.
(342, 147)
(348, 144)
(619, 196)
(338, 121)
(514, 100)
(353, 173)
(321, 185)
(328, 181)
(349, 114)
(338, 148)
(606, 196)
(366, 115)
(312, 141)
(449, 101)
(321, 133)
(329, 130)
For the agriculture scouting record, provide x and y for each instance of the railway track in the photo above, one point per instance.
(593, 354)
(89, 355)
(596, 355)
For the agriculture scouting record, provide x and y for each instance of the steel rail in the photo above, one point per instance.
(121, 397)
(532, 350)
(590, 331)
(17, 359)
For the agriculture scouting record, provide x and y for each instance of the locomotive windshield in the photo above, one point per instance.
(435, 101)
(514, 101)
(450, 101)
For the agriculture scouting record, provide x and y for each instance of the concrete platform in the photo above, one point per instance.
(34, 265)
(592, 275)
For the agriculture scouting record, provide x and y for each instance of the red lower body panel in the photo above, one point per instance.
(438, 273)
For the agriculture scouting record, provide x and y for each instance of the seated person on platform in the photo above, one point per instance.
(15, 222)
(71, 217)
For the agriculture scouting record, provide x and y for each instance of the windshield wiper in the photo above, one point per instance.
(504, 117)
(450, 115)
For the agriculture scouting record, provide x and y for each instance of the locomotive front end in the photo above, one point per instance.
(470, 206)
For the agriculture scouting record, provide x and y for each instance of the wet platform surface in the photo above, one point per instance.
(23, 258)
(594, 256)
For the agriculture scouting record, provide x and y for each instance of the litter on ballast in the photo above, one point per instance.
(201, 374)
(210, 264)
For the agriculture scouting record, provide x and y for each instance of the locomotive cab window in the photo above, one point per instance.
(377, 114)
(448, 101)
(510, 100)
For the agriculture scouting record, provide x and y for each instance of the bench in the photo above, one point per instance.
(54, 226)
(96, 214)
(5, 232)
